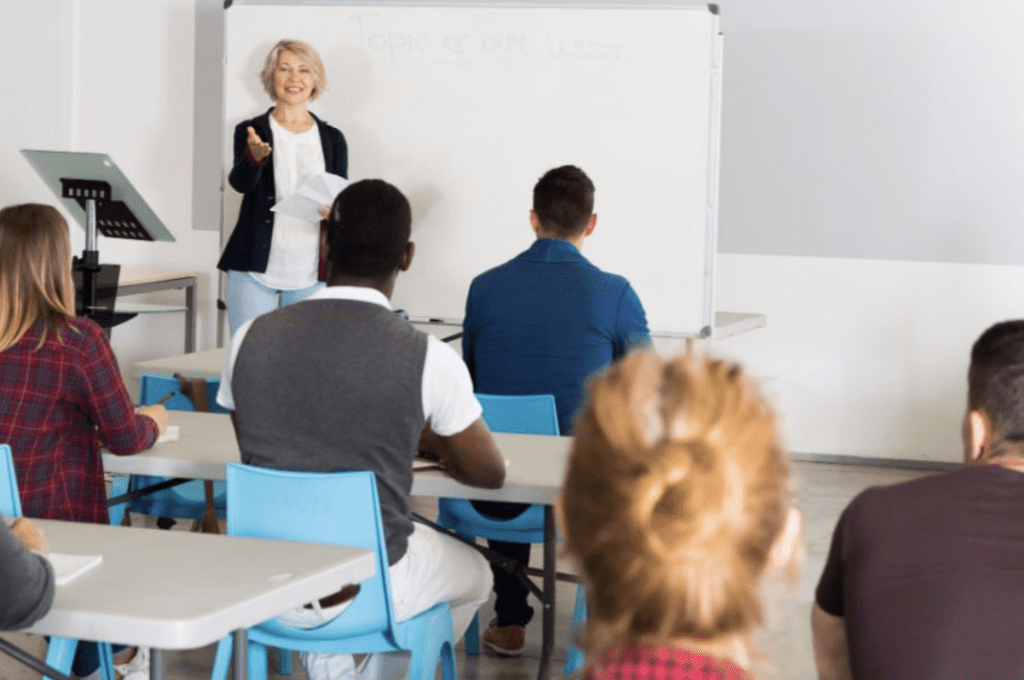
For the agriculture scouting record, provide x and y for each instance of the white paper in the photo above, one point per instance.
(69, 567)
(318, 191)
(171, 435)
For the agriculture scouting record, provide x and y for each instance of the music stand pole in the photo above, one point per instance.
(89, 265)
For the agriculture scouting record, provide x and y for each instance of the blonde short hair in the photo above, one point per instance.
(676, 491)
(35, 272)
(305, 52)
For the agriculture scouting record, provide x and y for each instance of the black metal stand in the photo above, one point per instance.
(94, 197)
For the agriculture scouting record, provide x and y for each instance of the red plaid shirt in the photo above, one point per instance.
(650, 662)
(56, 403)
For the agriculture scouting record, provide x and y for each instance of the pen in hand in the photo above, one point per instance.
(163, 401)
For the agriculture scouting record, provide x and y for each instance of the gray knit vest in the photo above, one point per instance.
(331, 386)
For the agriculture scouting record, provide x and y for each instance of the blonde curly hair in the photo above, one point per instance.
(676, 491)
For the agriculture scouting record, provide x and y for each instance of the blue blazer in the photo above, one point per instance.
(248, 248)
(545, 321)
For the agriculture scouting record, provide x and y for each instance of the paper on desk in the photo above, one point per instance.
(69, 567)
(170, 436)
(305, 203)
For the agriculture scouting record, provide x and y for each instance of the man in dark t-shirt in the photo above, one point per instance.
(925, 579)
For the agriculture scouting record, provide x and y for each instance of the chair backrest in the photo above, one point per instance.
(520, 414)
(153, 388)
(334, 507)
(10, 499)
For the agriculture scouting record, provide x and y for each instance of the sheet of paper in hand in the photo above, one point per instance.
(307, 200)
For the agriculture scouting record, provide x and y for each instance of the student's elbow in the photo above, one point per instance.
(495, 477)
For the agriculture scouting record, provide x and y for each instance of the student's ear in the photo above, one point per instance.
(410, 249)
(591, 226)
(976, 432)
(535, 223)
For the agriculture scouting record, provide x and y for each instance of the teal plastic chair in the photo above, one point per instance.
(60, 652)
(336, 508)
(187, 501)
(519, 414)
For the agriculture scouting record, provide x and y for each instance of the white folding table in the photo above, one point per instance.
(181, 590)
(535, 466)
(209, 362)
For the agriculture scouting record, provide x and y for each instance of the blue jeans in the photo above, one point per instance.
(248, 298)
(87, 658)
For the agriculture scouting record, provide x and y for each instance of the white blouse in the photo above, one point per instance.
(295, 246)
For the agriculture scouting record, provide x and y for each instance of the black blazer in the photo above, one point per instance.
(248, 248)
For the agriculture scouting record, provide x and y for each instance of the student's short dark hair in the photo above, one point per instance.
(563, 200)
(368, 229)
(995, 380)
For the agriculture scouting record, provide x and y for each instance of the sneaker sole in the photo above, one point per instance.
(501, 651)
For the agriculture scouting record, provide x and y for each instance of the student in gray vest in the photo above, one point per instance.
(340, 382)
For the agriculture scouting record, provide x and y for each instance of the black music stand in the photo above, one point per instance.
(102, 200)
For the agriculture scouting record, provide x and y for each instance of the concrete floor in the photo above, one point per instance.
(823, 490)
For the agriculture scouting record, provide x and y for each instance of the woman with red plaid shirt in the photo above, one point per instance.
(60, 389)
(676, 503)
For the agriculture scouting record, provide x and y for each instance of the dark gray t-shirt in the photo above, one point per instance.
(929, 577)
(26, 582)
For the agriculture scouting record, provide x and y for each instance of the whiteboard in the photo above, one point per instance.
(465, 107)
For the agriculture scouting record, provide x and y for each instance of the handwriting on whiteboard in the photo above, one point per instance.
(483, 47)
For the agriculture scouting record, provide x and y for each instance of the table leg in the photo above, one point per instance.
(157, 664)
(550, 569)
(190, 317)
(240, 655)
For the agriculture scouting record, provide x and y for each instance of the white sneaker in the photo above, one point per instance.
(137, 668)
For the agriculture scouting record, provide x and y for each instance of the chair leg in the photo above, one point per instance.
(473, 636)
(257, 661)
(106, 661)
(118, 487)
(448, 662)
(222, 660)
(573, 654)
(60, 654)
(284, 661)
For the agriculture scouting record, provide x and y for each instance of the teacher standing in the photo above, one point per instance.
(273, 259)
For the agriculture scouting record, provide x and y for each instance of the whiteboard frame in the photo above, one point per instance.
(714, 133)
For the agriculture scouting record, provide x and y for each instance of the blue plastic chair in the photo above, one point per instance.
(520, 414)
(185, 500)
(336, 508)
(60, 652)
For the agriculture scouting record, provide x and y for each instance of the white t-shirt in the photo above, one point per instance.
(447, 390)
(295, 245)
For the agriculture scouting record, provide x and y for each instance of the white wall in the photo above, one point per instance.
(114, 76)
(865, 357)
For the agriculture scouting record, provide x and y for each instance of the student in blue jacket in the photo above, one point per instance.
(543, 323)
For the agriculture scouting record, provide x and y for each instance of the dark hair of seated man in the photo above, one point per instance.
(563, 200)
(368, 230)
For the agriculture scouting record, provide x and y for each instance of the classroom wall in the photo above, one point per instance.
(864, 356)
(114, 76)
